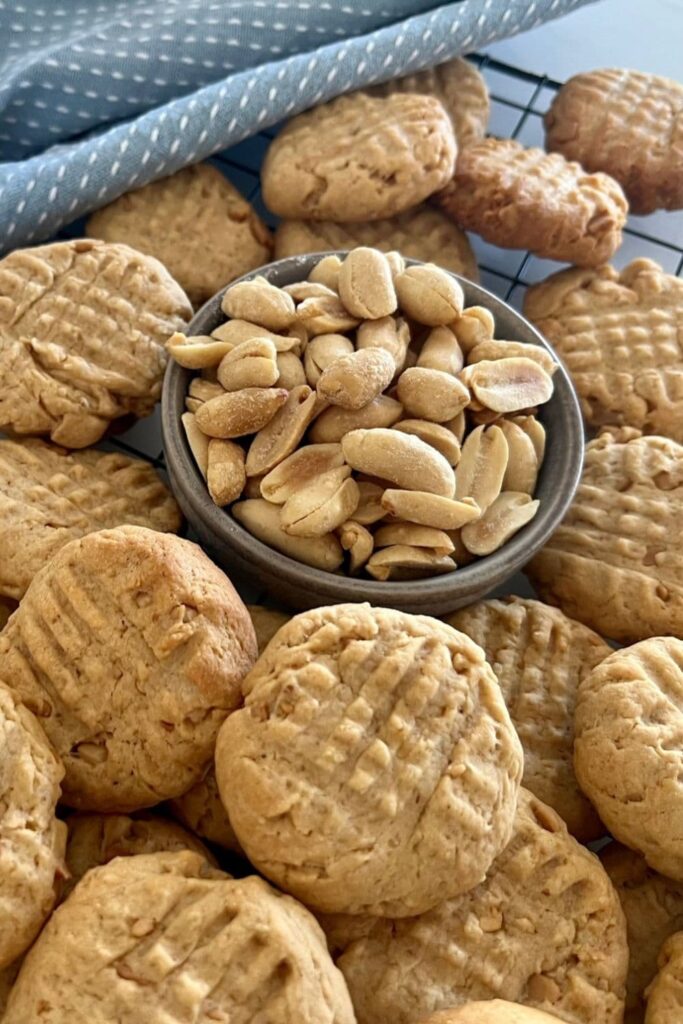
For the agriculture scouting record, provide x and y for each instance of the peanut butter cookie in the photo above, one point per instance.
(544, 929)
(95, 839)
(165, 936)
(653, 906)
(627, 123)
(359, 158)
(130, 646)
(539, 657)
(665, 994)
(615, 562)
(32, 840)
(521, 198)
(493, 1011)
(82, 331)
(460, 87)
(201, 810)
(620, 335)
(49, 496)
(629, 748)
(420, 234)
(372, 742)
(195, 222)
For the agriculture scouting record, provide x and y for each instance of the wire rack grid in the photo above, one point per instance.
(518, 101)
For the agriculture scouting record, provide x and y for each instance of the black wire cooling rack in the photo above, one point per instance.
(519, 99)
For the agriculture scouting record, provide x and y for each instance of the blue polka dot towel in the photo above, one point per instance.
(100, 96)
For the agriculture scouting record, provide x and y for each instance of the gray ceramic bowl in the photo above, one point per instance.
(299, 586)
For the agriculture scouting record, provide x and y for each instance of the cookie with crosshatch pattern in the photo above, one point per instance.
(49, 496)
(627, 123)
(615, 562)
(665, 994)
(385, 736)
(359, 158)
(539, 656)
(544, 928)
(422, 233)
(620, 335)
(521, 198)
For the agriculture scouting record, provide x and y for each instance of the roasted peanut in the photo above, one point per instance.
(290, 371)
(263, 520)
(301, 290)
(259, 302)
(493, 349)
(251, 364)
(415, 536)
(535, 431)
(192, 404)
(458, 425)
(430, 509)
(197, 351)
(353, 381)
(357, 541)
(252, 488)
(508, 514)
(205, 390)
(280, 436)
(508, 385)
(233, 332)
(390, 333)
(482, 466)
(322, 351)
(197, 440)
(396, 262)
(322, 506)
(429, 295)
(403, 459)
(441, 351)
(299, 468)
(225, 475)
(365, 284)
(326, 271)
(402, 562)
(325, 314)
(370, 509)
(431, 394)
(475, 325)
(435, 434)
(521, 472)
(333, 423)
(237, 413)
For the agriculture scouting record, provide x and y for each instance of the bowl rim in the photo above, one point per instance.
(479, 576)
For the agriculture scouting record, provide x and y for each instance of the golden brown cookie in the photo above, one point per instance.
(620, 335)
(49, 496)
(421, 234)
(195, 222)
(359, 158)
(201, 810)
(166, 937)
(539, 657)
(627, 123)
(629, 748)
(83, 326)
(383, 735)
(130, 646)
(460, 87)
(32, 840)
(615, 562)
(521, 198)
(493, 1011)
(665, 994)
(545, 929)
(653, 906)
(95, 839)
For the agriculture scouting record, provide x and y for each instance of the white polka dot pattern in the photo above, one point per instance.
(97, 98)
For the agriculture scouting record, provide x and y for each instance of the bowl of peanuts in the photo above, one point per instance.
(356, 426)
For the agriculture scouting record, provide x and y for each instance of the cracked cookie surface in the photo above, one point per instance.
(83, 326)
(130, 646)
(167, 937)
(372, 742)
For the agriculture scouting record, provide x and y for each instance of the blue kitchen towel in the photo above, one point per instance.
(100, 97)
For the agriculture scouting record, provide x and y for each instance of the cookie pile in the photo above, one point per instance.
(388, 422)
